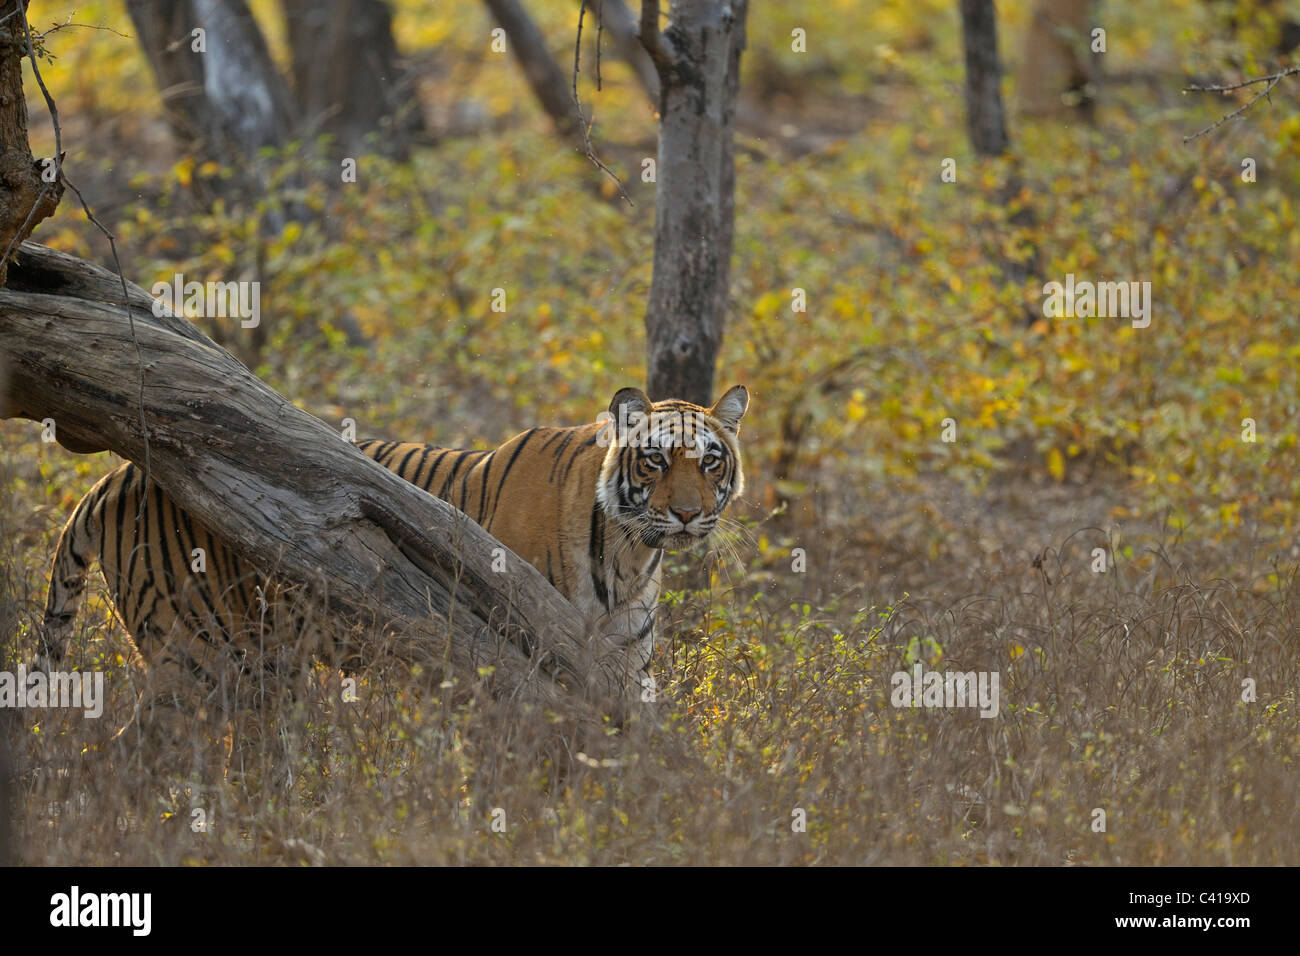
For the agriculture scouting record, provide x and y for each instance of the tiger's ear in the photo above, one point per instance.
(730, 408)
(635, 400)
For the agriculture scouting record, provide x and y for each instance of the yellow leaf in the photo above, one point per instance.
(1056, 464)
(184, 171)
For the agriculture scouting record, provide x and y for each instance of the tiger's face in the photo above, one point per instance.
(671, 467)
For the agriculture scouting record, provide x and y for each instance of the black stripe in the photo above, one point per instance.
(159, 564)
(206, 594)
(501, 483)
(596, 555)
(555, 461)
(427, 484)
(145, 553)
(124, 558)
(590, 442)
(482, 489)
(419, 469)
(446, 485)
(401, 468)
(464, 485)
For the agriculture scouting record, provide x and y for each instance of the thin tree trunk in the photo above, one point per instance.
(1058, 71)
(26, 198)
(988, 131)
(347, 75)
(698, 61)
(287, 493)
(552, 88)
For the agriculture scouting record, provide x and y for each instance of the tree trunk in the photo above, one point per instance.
(228, 101)
(988, 131)
(26, 198)
(698, 61)
(284, 489)
(347, 78)
(1058, 71)
(225, 104)
(552, 88)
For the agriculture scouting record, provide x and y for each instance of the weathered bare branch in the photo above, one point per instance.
(1272, 79)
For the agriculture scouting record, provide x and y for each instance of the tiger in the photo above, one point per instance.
(592, 507)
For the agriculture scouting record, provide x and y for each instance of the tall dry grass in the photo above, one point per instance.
(1121, 692)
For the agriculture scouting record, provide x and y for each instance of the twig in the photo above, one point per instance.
(582, 119)
(88, 26)
(1272, 79)
(85, 207)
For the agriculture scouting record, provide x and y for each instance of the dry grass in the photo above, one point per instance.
(1120, 691)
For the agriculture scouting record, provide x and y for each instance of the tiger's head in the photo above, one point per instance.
(671, 467)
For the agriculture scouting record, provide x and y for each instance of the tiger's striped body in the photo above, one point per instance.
(616, 586)
(588, 511)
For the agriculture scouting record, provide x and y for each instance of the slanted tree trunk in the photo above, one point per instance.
(984, 116)
(549, 84)
(26, 197)
(1058, 72)
(347, 77)
(698, 61)
(285, 490)
(226, 101)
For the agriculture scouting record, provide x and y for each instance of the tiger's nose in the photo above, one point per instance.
(685, 515)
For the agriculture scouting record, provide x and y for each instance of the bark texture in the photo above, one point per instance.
(287, 492)
(25, 197)
(228, 101)
(348, 77)
(698, 61)
(984, 114)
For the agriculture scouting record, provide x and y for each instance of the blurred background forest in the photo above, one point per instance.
(923, 305)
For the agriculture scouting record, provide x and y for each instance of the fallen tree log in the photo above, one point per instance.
(285, 490)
